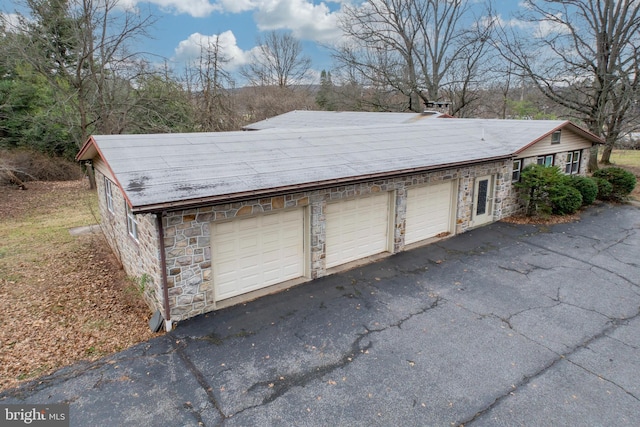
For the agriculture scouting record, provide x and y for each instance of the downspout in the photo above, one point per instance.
(163, 265)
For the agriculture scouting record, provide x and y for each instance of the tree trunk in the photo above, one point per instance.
(606, 154)
(593, 159)
(91, 175)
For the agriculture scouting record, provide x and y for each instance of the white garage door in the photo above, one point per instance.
(255, 252)
(428, 211)
(356, 228)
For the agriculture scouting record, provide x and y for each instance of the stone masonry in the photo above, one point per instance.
(187, 242)
(187, 232)
(140, 259)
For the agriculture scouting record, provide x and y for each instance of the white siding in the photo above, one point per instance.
(569, 141)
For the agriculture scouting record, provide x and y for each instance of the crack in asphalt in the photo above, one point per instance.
(511, 316)
(612, 325)
(526, 272)
(604, 379)
(280, 384)
(630, 232)
(283, 383)
(623, 343)
(581, 261)
(180, 346)
(592, 310)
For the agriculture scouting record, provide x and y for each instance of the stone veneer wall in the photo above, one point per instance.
(187, 232)
(561, 158)
(139, 259)
(187, 240)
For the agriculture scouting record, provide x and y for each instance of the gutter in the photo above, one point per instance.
(163, 265)
(268, 192)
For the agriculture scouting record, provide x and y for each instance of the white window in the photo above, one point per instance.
(108, 194)
(555, 137)
(517, 168)
(545, 160)
(132, 223)
(572, 165)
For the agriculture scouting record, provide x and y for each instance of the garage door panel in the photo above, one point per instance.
(428, 211)
(256, 252)
(356, 228)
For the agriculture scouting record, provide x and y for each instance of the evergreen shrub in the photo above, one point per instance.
(622, 181)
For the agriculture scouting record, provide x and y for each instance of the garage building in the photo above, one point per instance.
(213, 219)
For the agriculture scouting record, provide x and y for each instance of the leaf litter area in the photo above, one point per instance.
(64, 298)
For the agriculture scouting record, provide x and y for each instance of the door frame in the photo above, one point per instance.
(487, 216)
(306, 259)
(452, 206)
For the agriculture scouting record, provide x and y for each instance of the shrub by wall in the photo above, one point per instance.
(545, 191)
(565, 199)
(586, 186)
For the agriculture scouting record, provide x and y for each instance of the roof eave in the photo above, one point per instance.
(253, 194)
(577, 129)
(88, 151)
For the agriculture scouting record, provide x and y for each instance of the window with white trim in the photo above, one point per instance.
(132, 223)
(545, 160)
(108, 194)
(572, 164)
(517, 168)
(555, 137)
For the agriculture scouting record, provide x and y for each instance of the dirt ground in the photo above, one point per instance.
(64, 300)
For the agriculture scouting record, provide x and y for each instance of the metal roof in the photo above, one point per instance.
(166, 171)
(323, 119)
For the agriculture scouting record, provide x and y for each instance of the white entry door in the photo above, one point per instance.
(483, 200)
(356, 228)
(255, 252)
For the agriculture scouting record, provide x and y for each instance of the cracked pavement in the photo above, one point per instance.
(506, 325)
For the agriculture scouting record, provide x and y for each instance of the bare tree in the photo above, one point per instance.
(585, 56)
(278, 61)
(82, 48)
(162, 105)
(415, 47)
(208, 84)
(261, 102)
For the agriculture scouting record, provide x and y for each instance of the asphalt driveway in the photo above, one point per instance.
(506, 325)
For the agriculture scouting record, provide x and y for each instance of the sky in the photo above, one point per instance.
(183, 25)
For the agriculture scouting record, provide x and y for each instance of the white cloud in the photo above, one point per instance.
(10, 21)
(238, 6)
(191, 48)
(195, 8)
(552, 25)
(306, 20)
(538, 28)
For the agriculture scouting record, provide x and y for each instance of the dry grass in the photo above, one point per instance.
(63, 298)
(626, 158)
